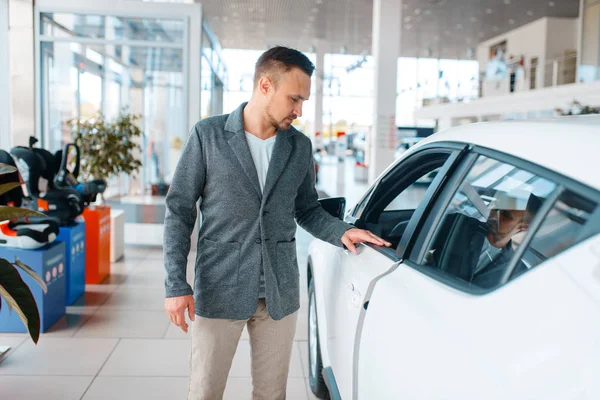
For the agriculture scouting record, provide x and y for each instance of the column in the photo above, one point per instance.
(387, 23)
(5, 136)
(319, 75)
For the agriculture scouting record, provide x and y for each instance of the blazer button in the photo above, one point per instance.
(258, 241)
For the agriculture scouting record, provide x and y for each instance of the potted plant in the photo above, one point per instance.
(108, 148)
(576, 108)
(13, 290)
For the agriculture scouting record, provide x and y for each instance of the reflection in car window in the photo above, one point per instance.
(486, 222)
(359, 208)
(562, 228)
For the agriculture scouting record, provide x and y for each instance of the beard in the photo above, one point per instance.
(284, 124)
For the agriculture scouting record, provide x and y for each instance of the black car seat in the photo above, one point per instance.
(65, 178)
(457, 245)
(63, 204)
(27, 233)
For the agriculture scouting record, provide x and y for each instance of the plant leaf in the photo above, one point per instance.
(33, 274)
(7, 213)
(6, 169)
(18, 296)
(7, 187)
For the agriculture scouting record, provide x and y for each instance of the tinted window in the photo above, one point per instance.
(567, 224)
(486, 221)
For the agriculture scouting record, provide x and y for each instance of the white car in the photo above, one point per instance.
(491, 289)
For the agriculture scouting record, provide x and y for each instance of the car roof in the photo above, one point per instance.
(567, 145)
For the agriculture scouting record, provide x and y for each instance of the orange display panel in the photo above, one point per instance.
(97, 237)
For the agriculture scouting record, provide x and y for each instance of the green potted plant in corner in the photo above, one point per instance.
(13, 290)
(107, 148)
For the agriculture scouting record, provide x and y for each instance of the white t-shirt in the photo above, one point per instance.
(261, 151)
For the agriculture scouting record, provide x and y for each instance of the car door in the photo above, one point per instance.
(390, 208)
(431, 331)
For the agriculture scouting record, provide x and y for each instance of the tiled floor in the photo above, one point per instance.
(117, 343)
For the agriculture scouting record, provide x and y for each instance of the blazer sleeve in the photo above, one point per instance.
(311, 216)
(181, 213)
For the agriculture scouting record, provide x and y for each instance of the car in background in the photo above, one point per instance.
(461, 307)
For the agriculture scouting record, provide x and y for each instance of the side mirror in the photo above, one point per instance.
(335, 206)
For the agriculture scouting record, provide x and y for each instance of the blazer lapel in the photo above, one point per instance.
(240, 148)
(279, 159)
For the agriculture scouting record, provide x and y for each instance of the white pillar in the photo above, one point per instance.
(387, 23)
(5, 136)
(317, 135)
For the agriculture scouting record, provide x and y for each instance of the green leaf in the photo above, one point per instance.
(7, 213)
(33, 274)
(6, 169)
(18, 296)
(7, 187)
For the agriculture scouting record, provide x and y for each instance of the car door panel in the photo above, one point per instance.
(422, 339)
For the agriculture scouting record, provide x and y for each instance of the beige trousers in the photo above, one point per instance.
(214, 342)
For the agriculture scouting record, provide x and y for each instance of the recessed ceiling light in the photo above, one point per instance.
(417, 11)
(407, 18)
(511, 21)
(506, 1)
(530, 13)
(551, 4)
(489, 11)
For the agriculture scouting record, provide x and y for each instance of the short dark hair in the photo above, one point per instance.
(280, 59)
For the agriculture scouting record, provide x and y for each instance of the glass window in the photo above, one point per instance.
(566, 225)
(410, 198)
(486, 222)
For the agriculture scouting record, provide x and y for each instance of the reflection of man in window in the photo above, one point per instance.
(510, 214)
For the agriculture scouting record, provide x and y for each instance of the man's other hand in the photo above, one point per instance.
(175, 307)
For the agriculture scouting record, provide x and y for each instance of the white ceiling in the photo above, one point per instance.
(436, 28)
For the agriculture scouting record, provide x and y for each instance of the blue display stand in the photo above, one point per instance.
(49, 263)
(74, 238)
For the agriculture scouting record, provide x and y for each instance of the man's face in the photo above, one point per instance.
(285, 99)
(504, 224)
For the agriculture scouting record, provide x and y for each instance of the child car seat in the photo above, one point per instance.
(63, 204)
(65, 178)
(24, 233)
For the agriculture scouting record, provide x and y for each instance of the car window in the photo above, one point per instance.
(400, 193)
(567, 224)
(486, 221)
(361, 206)
(410, 198)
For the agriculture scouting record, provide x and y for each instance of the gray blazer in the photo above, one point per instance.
(242, 228)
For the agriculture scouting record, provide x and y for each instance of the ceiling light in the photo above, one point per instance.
(489, 11)
(506, 1)
(551, 4)
(417, 11)
(407, 18)
(530, 13)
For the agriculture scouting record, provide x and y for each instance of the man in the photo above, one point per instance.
(511, 213)
(254, 173)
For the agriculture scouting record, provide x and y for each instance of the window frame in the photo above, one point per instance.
(440, 205)
(455, 152)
